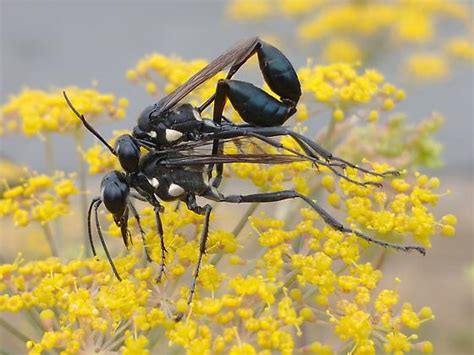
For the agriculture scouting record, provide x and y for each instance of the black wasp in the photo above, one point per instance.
(172, 132)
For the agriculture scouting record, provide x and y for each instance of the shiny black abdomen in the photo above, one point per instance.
(279, 72)
(255, 106)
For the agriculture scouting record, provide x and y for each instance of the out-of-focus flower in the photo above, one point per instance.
(249, 9)
(401, 143)
(174, 70)
(462, 48)
(426, 66)
(36, 112)
(349, 31)
(342, 50)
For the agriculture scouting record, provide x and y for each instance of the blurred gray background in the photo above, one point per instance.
(59, 43)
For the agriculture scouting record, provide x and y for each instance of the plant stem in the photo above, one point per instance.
(245, 218)
(49, 238)
(49, 153)
(79, 138)
(380, 260)
(13, 330)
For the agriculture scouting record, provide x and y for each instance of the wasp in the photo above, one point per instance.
(174, 132)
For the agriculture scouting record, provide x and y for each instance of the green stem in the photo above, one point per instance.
(49, 238)
(79, 138)
(14, 331)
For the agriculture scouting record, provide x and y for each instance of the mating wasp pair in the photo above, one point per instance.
(174, 132)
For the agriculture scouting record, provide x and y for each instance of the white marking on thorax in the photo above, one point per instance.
(197, 115)
(175, 190)
(154, 182)
(172, 135)
(152, 134)
(205, 178)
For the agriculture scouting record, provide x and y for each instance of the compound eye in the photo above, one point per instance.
(128, 153)
(114, 193)
(144, 119)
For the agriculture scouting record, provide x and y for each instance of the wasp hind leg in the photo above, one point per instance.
(206, 211)
(328, 219)
(159, 227)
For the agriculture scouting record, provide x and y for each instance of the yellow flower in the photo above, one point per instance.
(135, 345)
(397, 343)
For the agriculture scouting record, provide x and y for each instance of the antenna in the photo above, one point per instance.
(88, 126)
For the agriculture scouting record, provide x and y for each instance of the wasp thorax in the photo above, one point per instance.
(128, 153)
(143, 120)
(114, 192)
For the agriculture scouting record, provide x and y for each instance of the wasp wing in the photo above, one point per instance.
(231, 158)
(235, 55)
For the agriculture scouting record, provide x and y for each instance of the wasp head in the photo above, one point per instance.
(114, 193)
(128, 153)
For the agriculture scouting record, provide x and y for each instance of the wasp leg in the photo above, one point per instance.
(159, 227)
(101, 237)
(206, 211)
(329, 157)
(123, 224)
(89, 229)
(142, 232)
(328, 219)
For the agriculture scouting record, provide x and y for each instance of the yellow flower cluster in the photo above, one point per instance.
(340, 87)
(38, 198)
(40, 112)
(174, 70)
(81, 307)
(399, 212)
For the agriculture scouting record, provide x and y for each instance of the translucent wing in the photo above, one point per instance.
(231, 158)
(235, 55)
